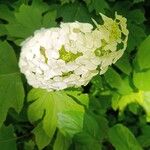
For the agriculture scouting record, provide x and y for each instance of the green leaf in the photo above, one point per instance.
(103, 126)
(90, 137)
(42, 6)
(6, 14)
(134, 108)
(135, 21)
(87, 142)
(120, 102)
(146, 104)
(25, 18)
(136, 16)
(144, 138)
(122, 138)
(8, 62)
(98, 5)
(143, 54)
(122, 7)
(124, 65)
(61, 142)
(70, 122)
(113, 78)
(142, 80)
(57, 110)
(76, 11)
(136, 35)
(125, 87)
(29, 145)
(66, 1)
(97, 85)
(12, 92)
(79, 96)
(137, 1)
(7, 138)
(3, 30)
(41, 138)
(49, 19)
(43, 101)
(142, 98)
(28, 19)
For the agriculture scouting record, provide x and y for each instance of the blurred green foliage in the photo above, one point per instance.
(118, 114)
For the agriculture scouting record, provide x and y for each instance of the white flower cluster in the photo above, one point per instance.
(113, 36)
(70, 55)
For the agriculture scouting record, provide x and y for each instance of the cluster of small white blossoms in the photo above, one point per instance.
(70, 55)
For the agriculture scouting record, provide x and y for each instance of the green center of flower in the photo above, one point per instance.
(43, 53)
(100, 51)
(115, 32)
(67, 74)
(68, 56)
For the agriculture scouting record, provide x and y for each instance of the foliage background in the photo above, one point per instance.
(118, 115)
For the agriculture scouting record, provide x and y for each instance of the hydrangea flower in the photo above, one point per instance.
(58, 58)
(70, 55)
(113, 36)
